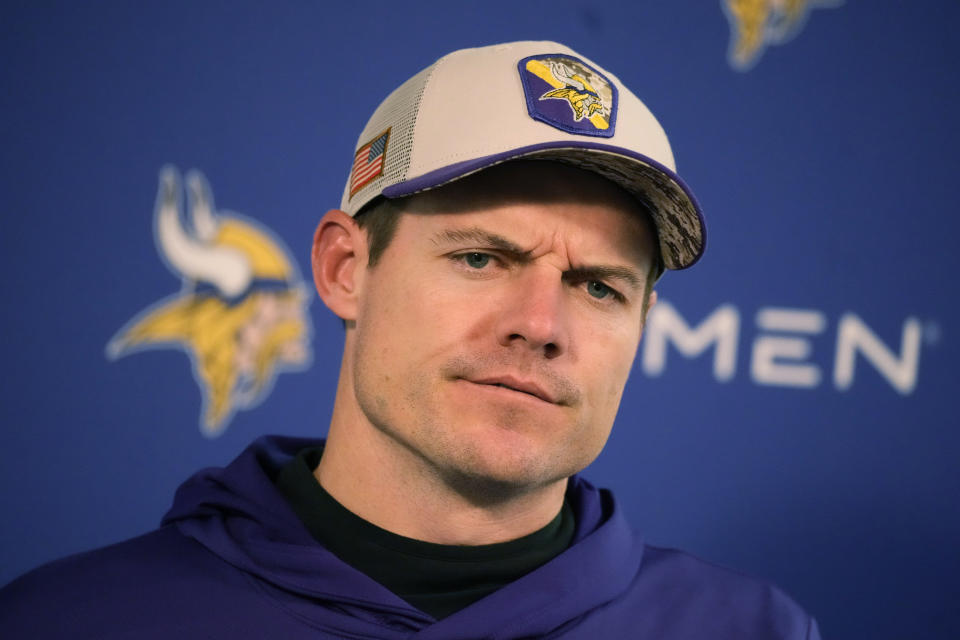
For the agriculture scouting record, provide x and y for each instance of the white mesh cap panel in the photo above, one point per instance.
(398, 113)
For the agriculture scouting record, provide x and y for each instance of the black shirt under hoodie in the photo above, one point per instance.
(438, 579)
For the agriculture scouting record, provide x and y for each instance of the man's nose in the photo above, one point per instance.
(535, 313)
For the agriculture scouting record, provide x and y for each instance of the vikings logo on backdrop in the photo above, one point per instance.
(241, 314)
(567, 93)
(754, 24)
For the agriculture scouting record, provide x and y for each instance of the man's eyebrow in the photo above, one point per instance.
(632, 277)
(484, 239)
(480, 237)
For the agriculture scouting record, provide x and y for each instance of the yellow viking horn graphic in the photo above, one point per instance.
(755, 24)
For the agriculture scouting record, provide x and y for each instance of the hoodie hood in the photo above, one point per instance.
(237, 513)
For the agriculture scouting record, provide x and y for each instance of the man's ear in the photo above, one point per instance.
(338, 258)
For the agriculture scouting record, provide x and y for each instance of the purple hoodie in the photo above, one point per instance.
(232, 560)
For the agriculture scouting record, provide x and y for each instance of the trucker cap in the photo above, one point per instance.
(475, 108)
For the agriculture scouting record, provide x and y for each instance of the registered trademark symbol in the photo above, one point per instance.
(932, 333)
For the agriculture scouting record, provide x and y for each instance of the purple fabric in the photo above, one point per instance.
(460, 169)
(231, 560)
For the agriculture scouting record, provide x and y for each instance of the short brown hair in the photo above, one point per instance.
(379, 219)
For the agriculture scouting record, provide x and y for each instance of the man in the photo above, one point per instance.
(507, 213)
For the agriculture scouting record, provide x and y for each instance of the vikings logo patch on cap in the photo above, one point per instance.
(567, 93)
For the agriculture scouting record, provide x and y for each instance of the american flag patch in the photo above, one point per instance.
(368, 162)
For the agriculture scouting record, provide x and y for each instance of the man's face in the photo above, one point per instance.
(494, 337)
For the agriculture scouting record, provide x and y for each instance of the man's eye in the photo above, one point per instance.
(599, 290)
(476, 259)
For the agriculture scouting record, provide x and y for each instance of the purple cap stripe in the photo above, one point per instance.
(458, 170)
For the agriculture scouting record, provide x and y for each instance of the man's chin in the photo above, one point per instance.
(496, 486)
(498, 473)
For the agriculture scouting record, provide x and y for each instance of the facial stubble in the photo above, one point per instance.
(450, 455)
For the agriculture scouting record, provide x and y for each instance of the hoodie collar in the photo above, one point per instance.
(238, 514)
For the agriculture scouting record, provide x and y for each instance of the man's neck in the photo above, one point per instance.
(383, 482)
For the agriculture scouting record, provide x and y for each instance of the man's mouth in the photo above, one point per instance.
(528, 387)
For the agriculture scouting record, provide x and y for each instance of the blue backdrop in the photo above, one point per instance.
(792, 407)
